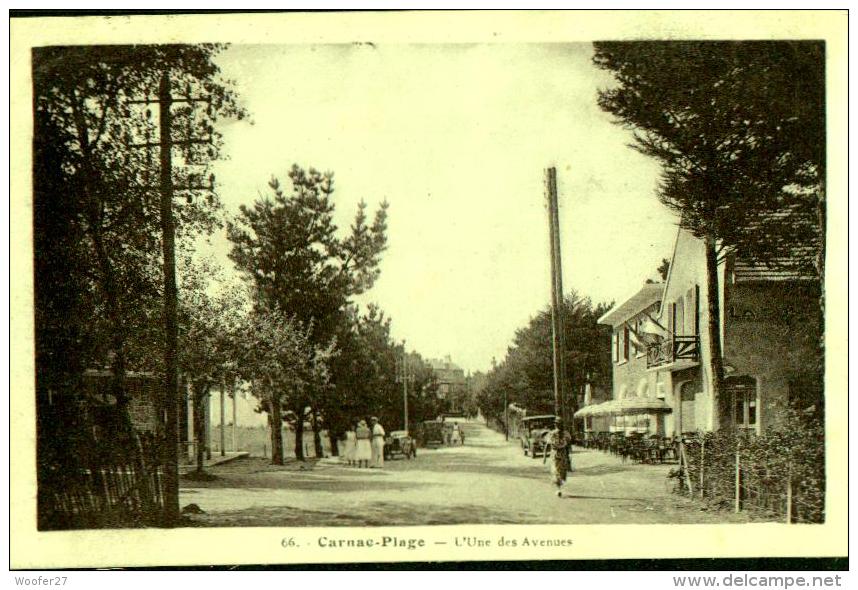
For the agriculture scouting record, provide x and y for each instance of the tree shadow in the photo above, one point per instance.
(369, 514)
(300, 481)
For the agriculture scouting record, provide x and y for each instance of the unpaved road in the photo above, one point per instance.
(487, 481)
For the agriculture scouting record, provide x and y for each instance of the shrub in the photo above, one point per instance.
(793, 452)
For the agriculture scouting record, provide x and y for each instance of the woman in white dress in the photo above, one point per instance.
(455, 435)
(349, 446)
(363, 449)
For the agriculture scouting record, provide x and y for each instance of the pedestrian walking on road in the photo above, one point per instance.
(363, 449)
(456, 435)
(377, 443)
(558, 443)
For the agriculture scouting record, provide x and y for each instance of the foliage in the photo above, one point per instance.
(209, 332)
(367, 383)
(739, 128)
(794, 450)
(276, 354)
(525, 376)
(289, 247)
(664, 268)
(96, 204)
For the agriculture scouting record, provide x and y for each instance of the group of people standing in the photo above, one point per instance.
(364, 445)
(454, 436)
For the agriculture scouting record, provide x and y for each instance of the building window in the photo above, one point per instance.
(696, 310)
(625, 356)
(633, 333)
(615, 339)
(688, 406)
(743, 392)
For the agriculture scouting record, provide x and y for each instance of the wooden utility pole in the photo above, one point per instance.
(171, 368)
(166, 188)
(234, 414)
(558, 337)
(402, 373)
(405, 385)
(223, 419)
(207, 426)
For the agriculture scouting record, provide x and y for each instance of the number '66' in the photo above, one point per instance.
(287, 542)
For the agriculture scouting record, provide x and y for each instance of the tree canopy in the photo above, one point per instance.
(96, 201)
(739, 128)
(289, 247)
(292, 253)
(525, 375)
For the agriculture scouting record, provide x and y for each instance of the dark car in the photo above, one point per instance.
(398, 442)
(432, 434)
(533, 431)
(454, 416)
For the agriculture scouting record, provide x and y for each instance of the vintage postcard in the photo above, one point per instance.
(301, 288)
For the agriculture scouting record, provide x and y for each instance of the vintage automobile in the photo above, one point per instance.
(431, 433)
(398, 442)
(453, 416)
(532, 434)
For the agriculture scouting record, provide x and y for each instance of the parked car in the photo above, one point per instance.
(533, 431)
(432, 434)
(398, 442)
(454, 416)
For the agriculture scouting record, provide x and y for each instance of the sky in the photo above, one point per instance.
(456, 138)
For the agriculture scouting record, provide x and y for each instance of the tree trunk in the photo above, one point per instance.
(820, 272)
(200, 394)
(317, 436)
(276, 433)
(716, 365)
(299, 435)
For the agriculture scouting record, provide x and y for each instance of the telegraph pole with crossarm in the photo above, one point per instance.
(165, 145)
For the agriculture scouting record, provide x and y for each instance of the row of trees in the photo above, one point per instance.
(290, 328)
(297, 263)
(739, 129)
(525, 376)
(97, 231)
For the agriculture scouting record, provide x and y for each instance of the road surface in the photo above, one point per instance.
(487, 481)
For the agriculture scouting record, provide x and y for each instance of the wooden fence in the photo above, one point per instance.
(94, 477)
(783, 486)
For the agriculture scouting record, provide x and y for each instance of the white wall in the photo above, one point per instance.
(688, 269)
(245, 405)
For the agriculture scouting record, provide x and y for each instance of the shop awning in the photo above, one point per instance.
(625, 407)
(602, 409)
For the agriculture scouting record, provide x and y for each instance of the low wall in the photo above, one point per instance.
(257, 441)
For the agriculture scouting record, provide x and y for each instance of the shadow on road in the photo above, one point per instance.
(368, 514)
(465, 462)
(298, 481)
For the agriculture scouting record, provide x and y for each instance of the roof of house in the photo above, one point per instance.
(798, 249)
(650, 293)
(445, 364)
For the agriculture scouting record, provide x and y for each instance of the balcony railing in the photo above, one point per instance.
(673, 349)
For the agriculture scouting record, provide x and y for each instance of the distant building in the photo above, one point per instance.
(452, 383)
(633, 385)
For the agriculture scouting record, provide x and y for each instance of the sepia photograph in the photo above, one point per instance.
(385, 287)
